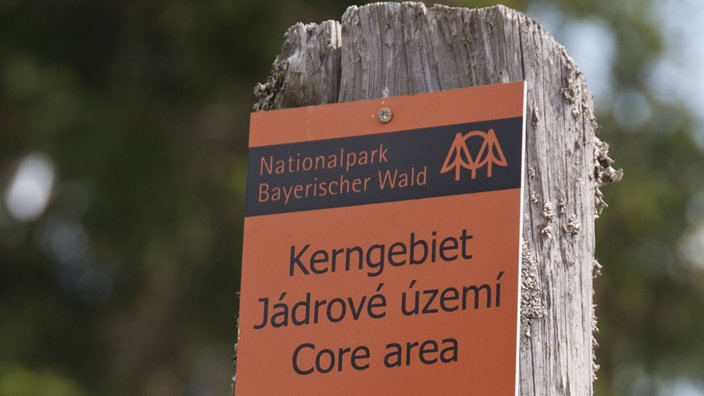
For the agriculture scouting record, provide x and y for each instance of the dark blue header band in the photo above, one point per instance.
(395, 166)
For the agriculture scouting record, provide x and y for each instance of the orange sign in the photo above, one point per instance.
(382, 258)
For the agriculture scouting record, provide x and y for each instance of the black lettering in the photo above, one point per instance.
(444, 249)
(414, 245)
(319, 358)
(449, 294)
(397, 249)
(360, 353)
(341, 313)
(393, 355)
(449, 352)
(429, 347)
(432, 293)
(296, 261)
(409, 348)
(464, 238)
(404, 308)
(266, 313)
(476, 291)
(318, 257)
(305, 306)
(374, 258)
(295, 363)
(377, 263)
(356, 312)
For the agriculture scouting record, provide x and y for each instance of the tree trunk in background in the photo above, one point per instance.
(390, 49)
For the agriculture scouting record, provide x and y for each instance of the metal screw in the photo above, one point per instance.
(385, 115)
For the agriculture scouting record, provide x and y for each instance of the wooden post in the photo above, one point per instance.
(389, 49)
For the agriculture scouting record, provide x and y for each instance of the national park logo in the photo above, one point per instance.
(474, 150)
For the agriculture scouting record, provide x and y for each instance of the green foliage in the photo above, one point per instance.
(649, 299)
(126, 283)
(18, 381)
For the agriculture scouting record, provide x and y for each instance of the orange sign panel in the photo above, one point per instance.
(382, 258)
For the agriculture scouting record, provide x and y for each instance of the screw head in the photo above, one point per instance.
(385, 115)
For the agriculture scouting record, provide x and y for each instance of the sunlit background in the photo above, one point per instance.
(123, 129)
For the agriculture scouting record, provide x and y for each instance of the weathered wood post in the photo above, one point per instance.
(389, 49)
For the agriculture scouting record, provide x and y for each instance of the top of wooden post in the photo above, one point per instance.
(389, 49)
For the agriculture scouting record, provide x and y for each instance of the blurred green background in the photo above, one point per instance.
(123, 129)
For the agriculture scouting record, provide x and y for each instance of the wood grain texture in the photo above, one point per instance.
(389, 49)
(307, 71)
